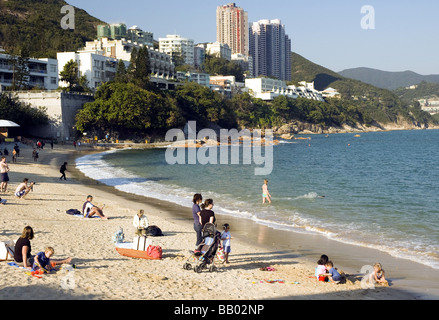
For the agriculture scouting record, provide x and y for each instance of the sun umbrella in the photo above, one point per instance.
(8, 124)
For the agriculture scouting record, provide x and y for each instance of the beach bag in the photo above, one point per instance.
(73, 212)
(154, 231)
(7, 250)
(154, 252)
(220, 254)
(118, 236)
(141, 243)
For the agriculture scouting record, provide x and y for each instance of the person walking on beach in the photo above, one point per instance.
(35, 154)
(4, 169)
(17, 150)
(197, 200)
(63, 170)
(14, 156)
(89, 209)
(265, 193)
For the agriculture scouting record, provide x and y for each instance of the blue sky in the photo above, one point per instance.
(406, 34)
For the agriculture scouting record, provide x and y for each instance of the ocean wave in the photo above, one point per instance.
(97, 168)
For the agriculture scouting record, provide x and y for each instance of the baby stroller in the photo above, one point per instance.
(204, 256)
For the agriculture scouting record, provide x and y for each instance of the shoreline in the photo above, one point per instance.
(306, 246)
(101, 270)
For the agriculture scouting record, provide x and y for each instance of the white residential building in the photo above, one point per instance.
(226, 85)
(200, 78)
(96, 67)
(135, 34)
(268, 89)
(221, 50)
(43, 73)
(246, 63)
(174, 43)
(160, 63)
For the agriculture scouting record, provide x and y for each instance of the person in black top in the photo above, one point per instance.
(63, 170)
(22, 254)
(206, 214)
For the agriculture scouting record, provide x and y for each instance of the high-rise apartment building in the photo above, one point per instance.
(174, 44)
(270, 49)
(232, 28)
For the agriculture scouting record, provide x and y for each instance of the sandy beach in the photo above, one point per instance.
(102, 274)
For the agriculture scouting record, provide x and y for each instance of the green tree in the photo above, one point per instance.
(20, 70)
(125, 109)
(70, 74)
(121, 73)
(23, 114)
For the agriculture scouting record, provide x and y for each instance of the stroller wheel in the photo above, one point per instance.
(198, 268)
(213, 269)
(187, 266)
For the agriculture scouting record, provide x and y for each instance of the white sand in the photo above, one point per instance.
(103, 274)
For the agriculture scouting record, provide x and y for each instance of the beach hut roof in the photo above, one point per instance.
(8, 124)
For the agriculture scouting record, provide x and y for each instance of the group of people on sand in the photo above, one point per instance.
(325, 271)
(22, 189)
(41, 261)
(202, 214)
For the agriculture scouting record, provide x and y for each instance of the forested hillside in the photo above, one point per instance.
(35, 25)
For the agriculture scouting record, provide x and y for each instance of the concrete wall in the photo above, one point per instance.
(61, 108)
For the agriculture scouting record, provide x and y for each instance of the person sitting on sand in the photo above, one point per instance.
(89, 209)
(140, 222)
(43, 260)
(378, 274)
(22, 253)
(321, 268)
(332, 273)
(23, 189)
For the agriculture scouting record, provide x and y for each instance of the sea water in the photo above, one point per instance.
(377, 190)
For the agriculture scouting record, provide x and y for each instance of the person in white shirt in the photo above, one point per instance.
(23, 189)
(140, 222)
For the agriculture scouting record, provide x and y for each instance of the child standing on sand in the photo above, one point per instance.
(265, 193)
(226, 237)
